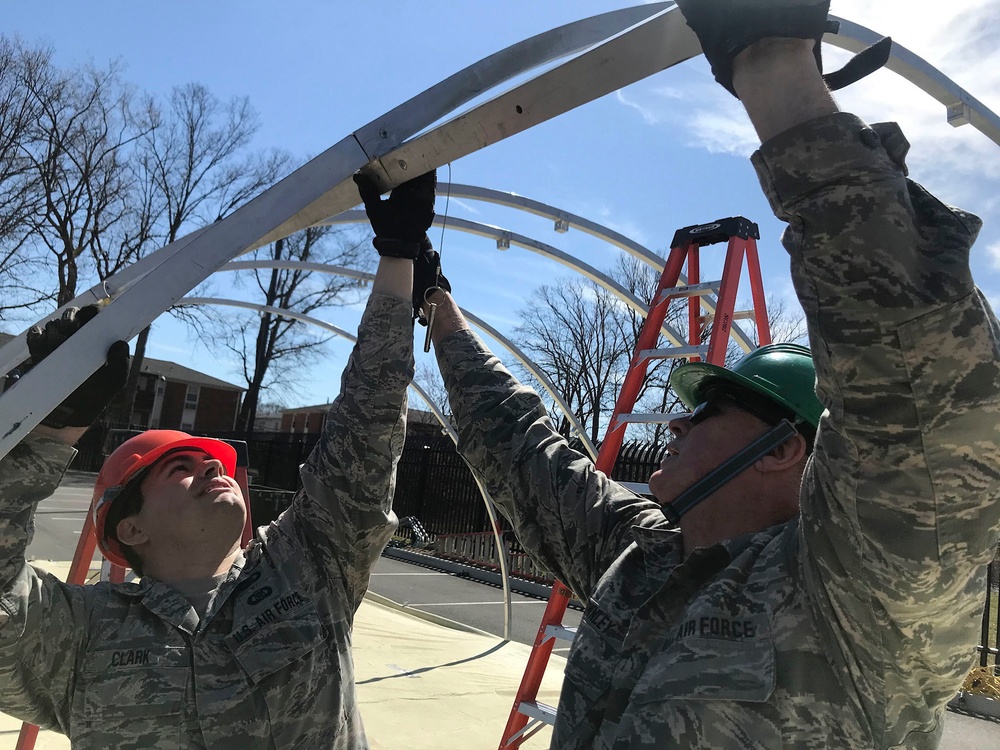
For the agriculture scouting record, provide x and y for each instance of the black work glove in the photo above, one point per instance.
(86, 403)
(426, 276)
(727, 27)
(401, 222)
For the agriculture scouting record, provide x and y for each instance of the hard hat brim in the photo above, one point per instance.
(689, 381)
(217, 449)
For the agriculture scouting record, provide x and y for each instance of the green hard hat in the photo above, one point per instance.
(783, 373)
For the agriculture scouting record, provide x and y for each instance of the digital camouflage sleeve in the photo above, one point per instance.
(28, 474)
(853, 624)
(344, 510)
(571, 517)
(901, 502)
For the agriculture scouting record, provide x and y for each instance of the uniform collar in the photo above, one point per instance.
(662, 550)
(170, 605)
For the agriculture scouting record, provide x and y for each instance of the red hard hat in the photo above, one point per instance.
(131, 457)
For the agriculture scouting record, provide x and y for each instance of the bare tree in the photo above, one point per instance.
(22, 71)
(79, 154)
(195, 167)
(429, 379)
(271, 352)
(584, 338)
(573, 331)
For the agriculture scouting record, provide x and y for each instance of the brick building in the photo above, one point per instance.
(174, 397)
(305, 420)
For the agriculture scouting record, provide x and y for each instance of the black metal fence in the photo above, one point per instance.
(989, 644)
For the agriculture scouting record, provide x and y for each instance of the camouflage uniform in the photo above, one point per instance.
(269, 666)
(852, 625)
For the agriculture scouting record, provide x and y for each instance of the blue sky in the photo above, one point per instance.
(664, 153)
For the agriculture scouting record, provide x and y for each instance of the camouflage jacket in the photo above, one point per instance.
(269, 666)
(852, 625)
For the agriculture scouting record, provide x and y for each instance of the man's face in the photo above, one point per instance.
(701, 442)
(188, 499)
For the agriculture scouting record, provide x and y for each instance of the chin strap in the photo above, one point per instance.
(729, 469)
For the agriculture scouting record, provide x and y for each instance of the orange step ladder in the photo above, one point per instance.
(528, 715)
(87, 544)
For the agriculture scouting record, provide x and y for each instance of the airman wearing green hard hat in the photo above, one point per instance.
(774, 384)
(801, 577)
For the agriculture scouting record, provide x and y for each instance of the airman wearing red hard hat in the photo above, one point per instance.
(216, 645)
(128, 464)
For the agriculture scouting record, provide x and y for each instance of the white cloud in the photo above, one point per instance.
(623, 225)
(993, 252)
(961, 165)
(464, 205)
(646, 112)
(722, 133)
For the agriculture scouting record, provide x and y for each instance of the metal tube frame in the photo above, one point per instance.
(615, 49)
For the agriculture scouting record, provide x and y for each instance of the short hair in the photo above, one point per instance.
(128, 503)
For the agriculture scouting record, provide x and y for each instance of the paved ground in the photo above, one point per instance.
(423, 592)
(468, 602)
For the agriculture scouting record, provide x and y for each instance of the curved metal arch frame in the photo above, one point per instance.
(565, 220)
(357, 216)
(445, 424)
(510, 346)
(618, 48)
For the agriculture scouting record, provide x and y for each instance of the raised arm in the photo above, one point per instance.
(899, 507)
(571, 517)
(43, 621)
(345, 509)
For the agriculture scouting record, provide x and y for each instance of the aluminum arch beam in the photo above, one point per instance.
(528, 363)
(282, 312)
(513, 238)
(961, 108)
(619, 48)
(445, 424)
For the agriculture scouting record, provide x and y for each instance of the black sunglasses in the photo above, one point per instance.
(747, 402)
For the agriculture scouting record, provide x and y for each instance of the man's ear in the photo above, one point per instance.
(130, 533)
(785, 456)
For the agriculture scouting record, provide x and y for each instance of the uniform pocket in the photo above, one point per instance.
(277, 645)
(132, 699)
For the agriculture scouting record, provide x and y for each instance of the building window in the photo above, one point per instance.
(191, 401)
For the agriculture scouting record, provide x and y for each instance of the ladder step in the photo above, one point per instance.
(674, 352)
(646, 418)
(691, 290)
(639, 488)
(542, 712)
(561, 632)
